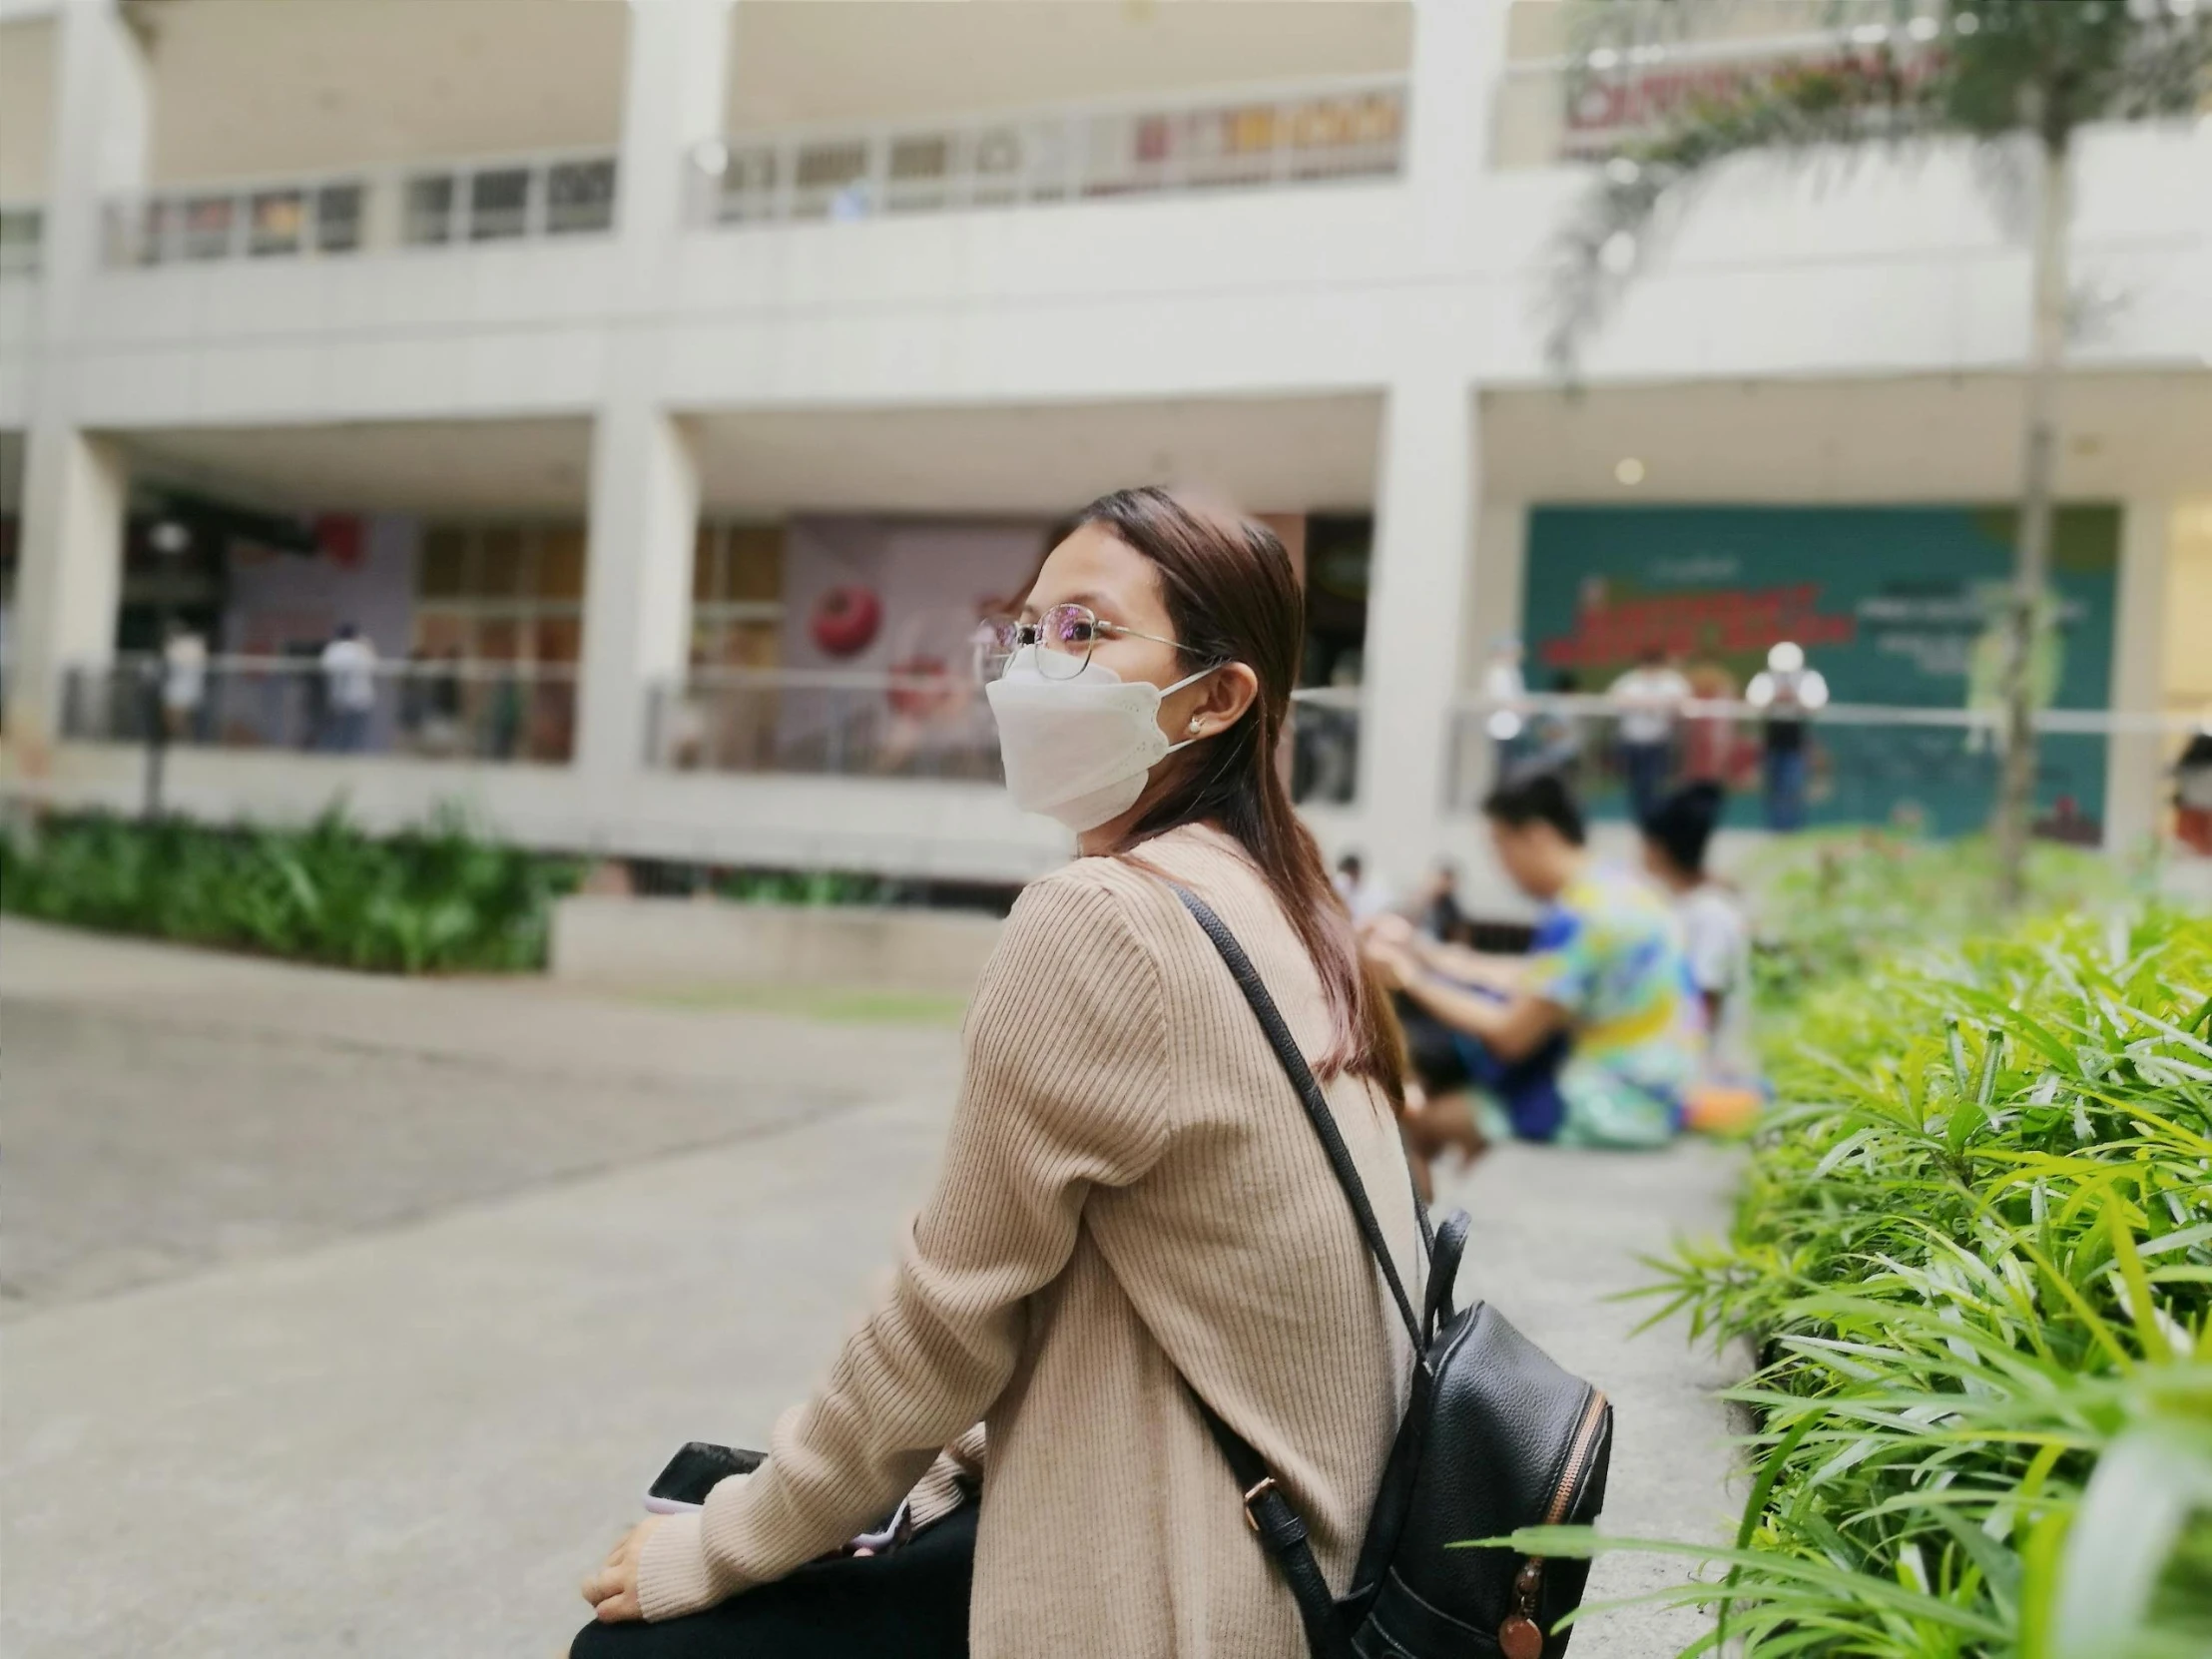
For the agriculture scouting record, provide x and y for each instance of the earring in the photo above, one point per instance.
(1197, 725)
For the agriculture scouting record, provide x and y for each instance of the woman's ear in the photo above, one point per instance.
(1224, 694)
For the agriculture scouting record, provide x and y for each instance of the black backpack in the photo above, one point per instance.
(1496, 1436)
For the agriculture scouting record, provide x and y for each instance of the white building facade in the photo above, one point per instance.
(687, 373)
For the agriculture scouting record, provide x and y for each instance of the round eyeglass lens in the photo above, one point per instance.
(1065, 634)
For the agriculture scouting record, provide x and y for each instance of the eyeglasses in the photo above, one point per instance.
(1063, 636)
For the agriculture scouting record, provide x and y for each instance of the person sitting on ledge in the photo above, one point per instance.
(1590, 1039)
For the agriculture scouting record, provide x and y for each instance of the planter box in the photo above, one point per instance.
(685, 941)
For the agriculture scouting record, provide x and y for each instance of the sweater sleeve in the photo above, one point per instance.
(1064, 1089)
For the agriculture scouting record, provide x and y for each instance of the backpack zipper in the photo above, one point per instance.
(1520, 1636)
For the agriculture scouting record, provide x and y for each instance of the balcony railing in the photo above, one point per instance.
(429, 205)
(1922, 768)
(874, 725)
(1640, 63)
(22, 236)
(1234, 140)
(847, 724)
(445, 710)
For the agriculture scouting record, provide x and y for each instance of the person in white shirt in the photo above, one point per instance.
(1716, 941)
(1503, 687)
(1787, 693)
(1363, 897)
(349, 689)
(1649, 697)
(183, 679)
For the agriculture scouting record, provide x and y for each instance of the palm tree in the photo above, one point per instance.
(2020, 78)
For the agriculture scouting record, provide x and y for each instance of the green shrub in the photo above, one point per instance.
(433, 900)
(1833, 904)
(1973, 1259)
(802, 886)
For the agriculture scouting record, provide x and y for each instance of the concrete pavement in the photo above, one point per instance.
(350, 1316)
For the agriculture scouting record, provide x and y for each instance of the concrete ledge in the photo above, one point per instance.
(683, 941)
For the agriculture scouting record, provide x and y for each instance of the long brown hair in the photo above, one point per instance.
(1233, 598)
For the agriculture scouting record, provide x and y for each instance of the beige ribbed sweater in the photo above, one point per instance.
(1130, 1186)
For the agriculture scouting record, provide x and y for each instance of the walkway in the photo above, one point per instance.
(349, 1314)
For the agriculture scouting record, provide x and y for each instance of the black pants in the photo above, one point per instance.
(910, 1604)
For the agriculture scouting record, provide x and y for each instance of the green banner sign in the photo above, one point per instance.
(1893, 605)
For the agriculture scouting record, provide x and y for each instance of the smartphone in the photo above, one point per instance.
(691, 1474)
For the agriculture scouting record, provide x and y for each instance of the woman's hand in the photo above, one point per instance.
(613, 1589)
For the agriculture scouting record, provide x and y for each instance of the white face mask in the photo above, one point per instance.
(1078, 749)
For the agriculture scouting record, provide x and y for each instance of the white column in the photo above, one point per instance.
(75, 484)
(1417, 608)
(2132, 778)
(1458, 59)
(678, 89)
(1422, 584)
(637, 591)
(645, 467)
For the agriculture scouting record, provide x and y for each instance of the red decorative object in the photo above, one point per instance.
(342, 538)
(845, 619)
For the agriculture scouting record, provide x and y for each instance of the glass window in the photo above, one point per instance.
(561, 563)
(20, 229)
(499, 204)
(163, 220)
(499, 568)
(280, 217)
(207, 226)
(559, 639)
(441, 633)
(429, 209)
(444, 564)
(497, 639)
(338, 219)
(755, 563)
(580, 195)
(706, 568)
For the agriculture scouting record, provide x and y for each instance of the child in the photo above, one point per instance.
(1715, 940)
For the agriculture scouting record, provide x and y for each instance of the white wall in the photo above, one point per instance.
(864, 61)
(26, 107)
(251, 88)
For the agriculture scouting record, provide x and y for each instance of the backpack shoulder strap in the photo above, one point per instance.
(1279, 1528)
(1311, 1097)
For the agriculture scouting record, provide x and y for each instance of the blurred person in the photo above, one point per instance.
(1709, 740)
(1590, 1039)
(1716, 939)
(2193, 793)
(441, 704)
(1559, 739)
(183, 679)
(1649, 697)
(1786, 691)
(349, 665)
(1437, 912)
(1082, 1252)
(1503, 687)
(1362, 896)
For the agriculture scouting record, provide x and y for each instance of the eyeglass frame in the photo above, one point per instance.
(1032, 634)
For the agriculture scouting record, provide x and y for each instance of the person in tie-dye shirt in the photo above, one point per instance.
(1591, 1039)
